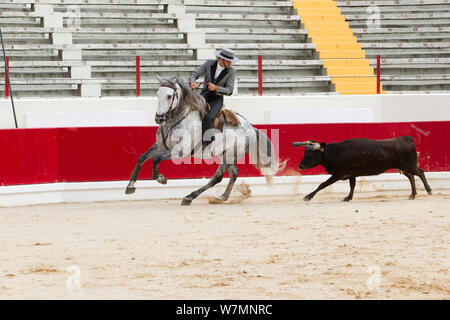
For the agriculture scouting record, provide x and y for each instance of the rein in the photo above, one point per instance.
(173, 87)
(164, 136)
(166, 115)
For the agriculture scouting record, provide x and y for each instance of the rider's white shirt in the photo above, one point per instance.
(218, 70)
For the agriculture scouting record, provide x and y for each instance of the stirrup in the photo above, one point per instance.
(207, 143)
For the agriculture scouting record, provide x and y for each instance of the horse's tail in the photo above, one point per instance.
(266, 160)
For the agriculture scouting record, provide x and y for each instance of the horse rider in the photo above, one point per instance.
(219, 81)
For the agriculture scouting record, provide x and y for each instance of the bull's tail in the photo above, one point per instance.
(266, 160)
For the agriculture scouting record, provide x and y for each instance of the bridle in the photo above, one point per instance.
(175, 95)
(166, 115)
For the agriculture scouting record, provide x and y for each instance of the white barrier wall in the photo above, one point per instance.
(84, 119)
(35, 113)
(179, 188)
(259, 110)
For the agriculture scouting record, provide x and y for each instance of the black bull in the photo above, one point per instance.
(362, 157)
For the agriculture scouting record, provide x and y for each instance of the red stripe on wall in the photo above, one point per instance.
(30, 156)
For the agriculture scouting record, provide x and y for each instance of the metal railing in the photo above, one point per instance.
(8, 89)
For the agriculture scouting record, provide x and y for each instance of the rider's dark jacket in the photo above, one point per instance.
(225, 81)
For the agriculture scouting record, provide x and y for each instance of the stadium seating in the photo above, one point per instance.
(42, 64)
(267, 28)
(411, 36)
(77, 40)
(88, 48)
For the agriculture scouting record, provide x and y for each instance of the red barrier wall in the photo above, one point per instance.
(30, 156)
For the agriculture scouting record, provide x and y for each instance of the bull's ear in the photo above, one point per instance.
(323, 145)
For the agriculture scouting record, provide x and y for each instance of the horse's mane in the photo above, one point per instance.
(189, 98)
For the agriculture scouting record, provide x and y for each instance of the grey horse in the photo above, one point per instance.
(179, 136)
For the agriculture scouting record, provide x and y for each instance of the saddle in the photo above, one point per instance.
(224, 116)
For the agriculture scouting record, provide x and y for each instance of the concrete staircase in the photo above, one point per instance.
(342, 55)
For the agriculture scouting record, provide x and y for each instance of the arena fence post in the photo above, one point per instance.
(7, 78)
(138, 76)
(260, 75)
(378, 75)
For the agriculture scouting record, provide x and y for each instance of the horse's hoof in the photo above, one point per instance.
(162, 179)
(186, 202)
(221, 198)
(347, 199)
(130, 190)
(307, 198)
(412, 197)
(430, 192)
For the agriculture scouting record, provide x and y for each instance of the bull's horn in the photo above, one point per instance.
(301, 144)
(316, 146)
(159, 78)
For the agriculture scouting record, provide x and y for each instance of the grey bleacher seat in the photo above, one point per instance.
(412, 38)
(50, 87)
(122, 35)
(255, 35)
(106, 7)
(429, 34)
(17, 15)
(437, 82)
(241, 7)
(116, 19)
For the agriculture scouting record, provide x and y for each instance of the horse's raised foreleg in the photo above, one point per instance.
(233, 171)
(167, 155)
(171, 154)
(214, 180)
(135, 173)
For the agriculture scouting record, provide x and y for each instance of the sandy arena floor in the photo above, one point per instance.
(379, 246)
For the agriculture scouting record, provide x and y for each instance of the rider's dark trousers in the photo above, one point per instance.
(216, 103)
